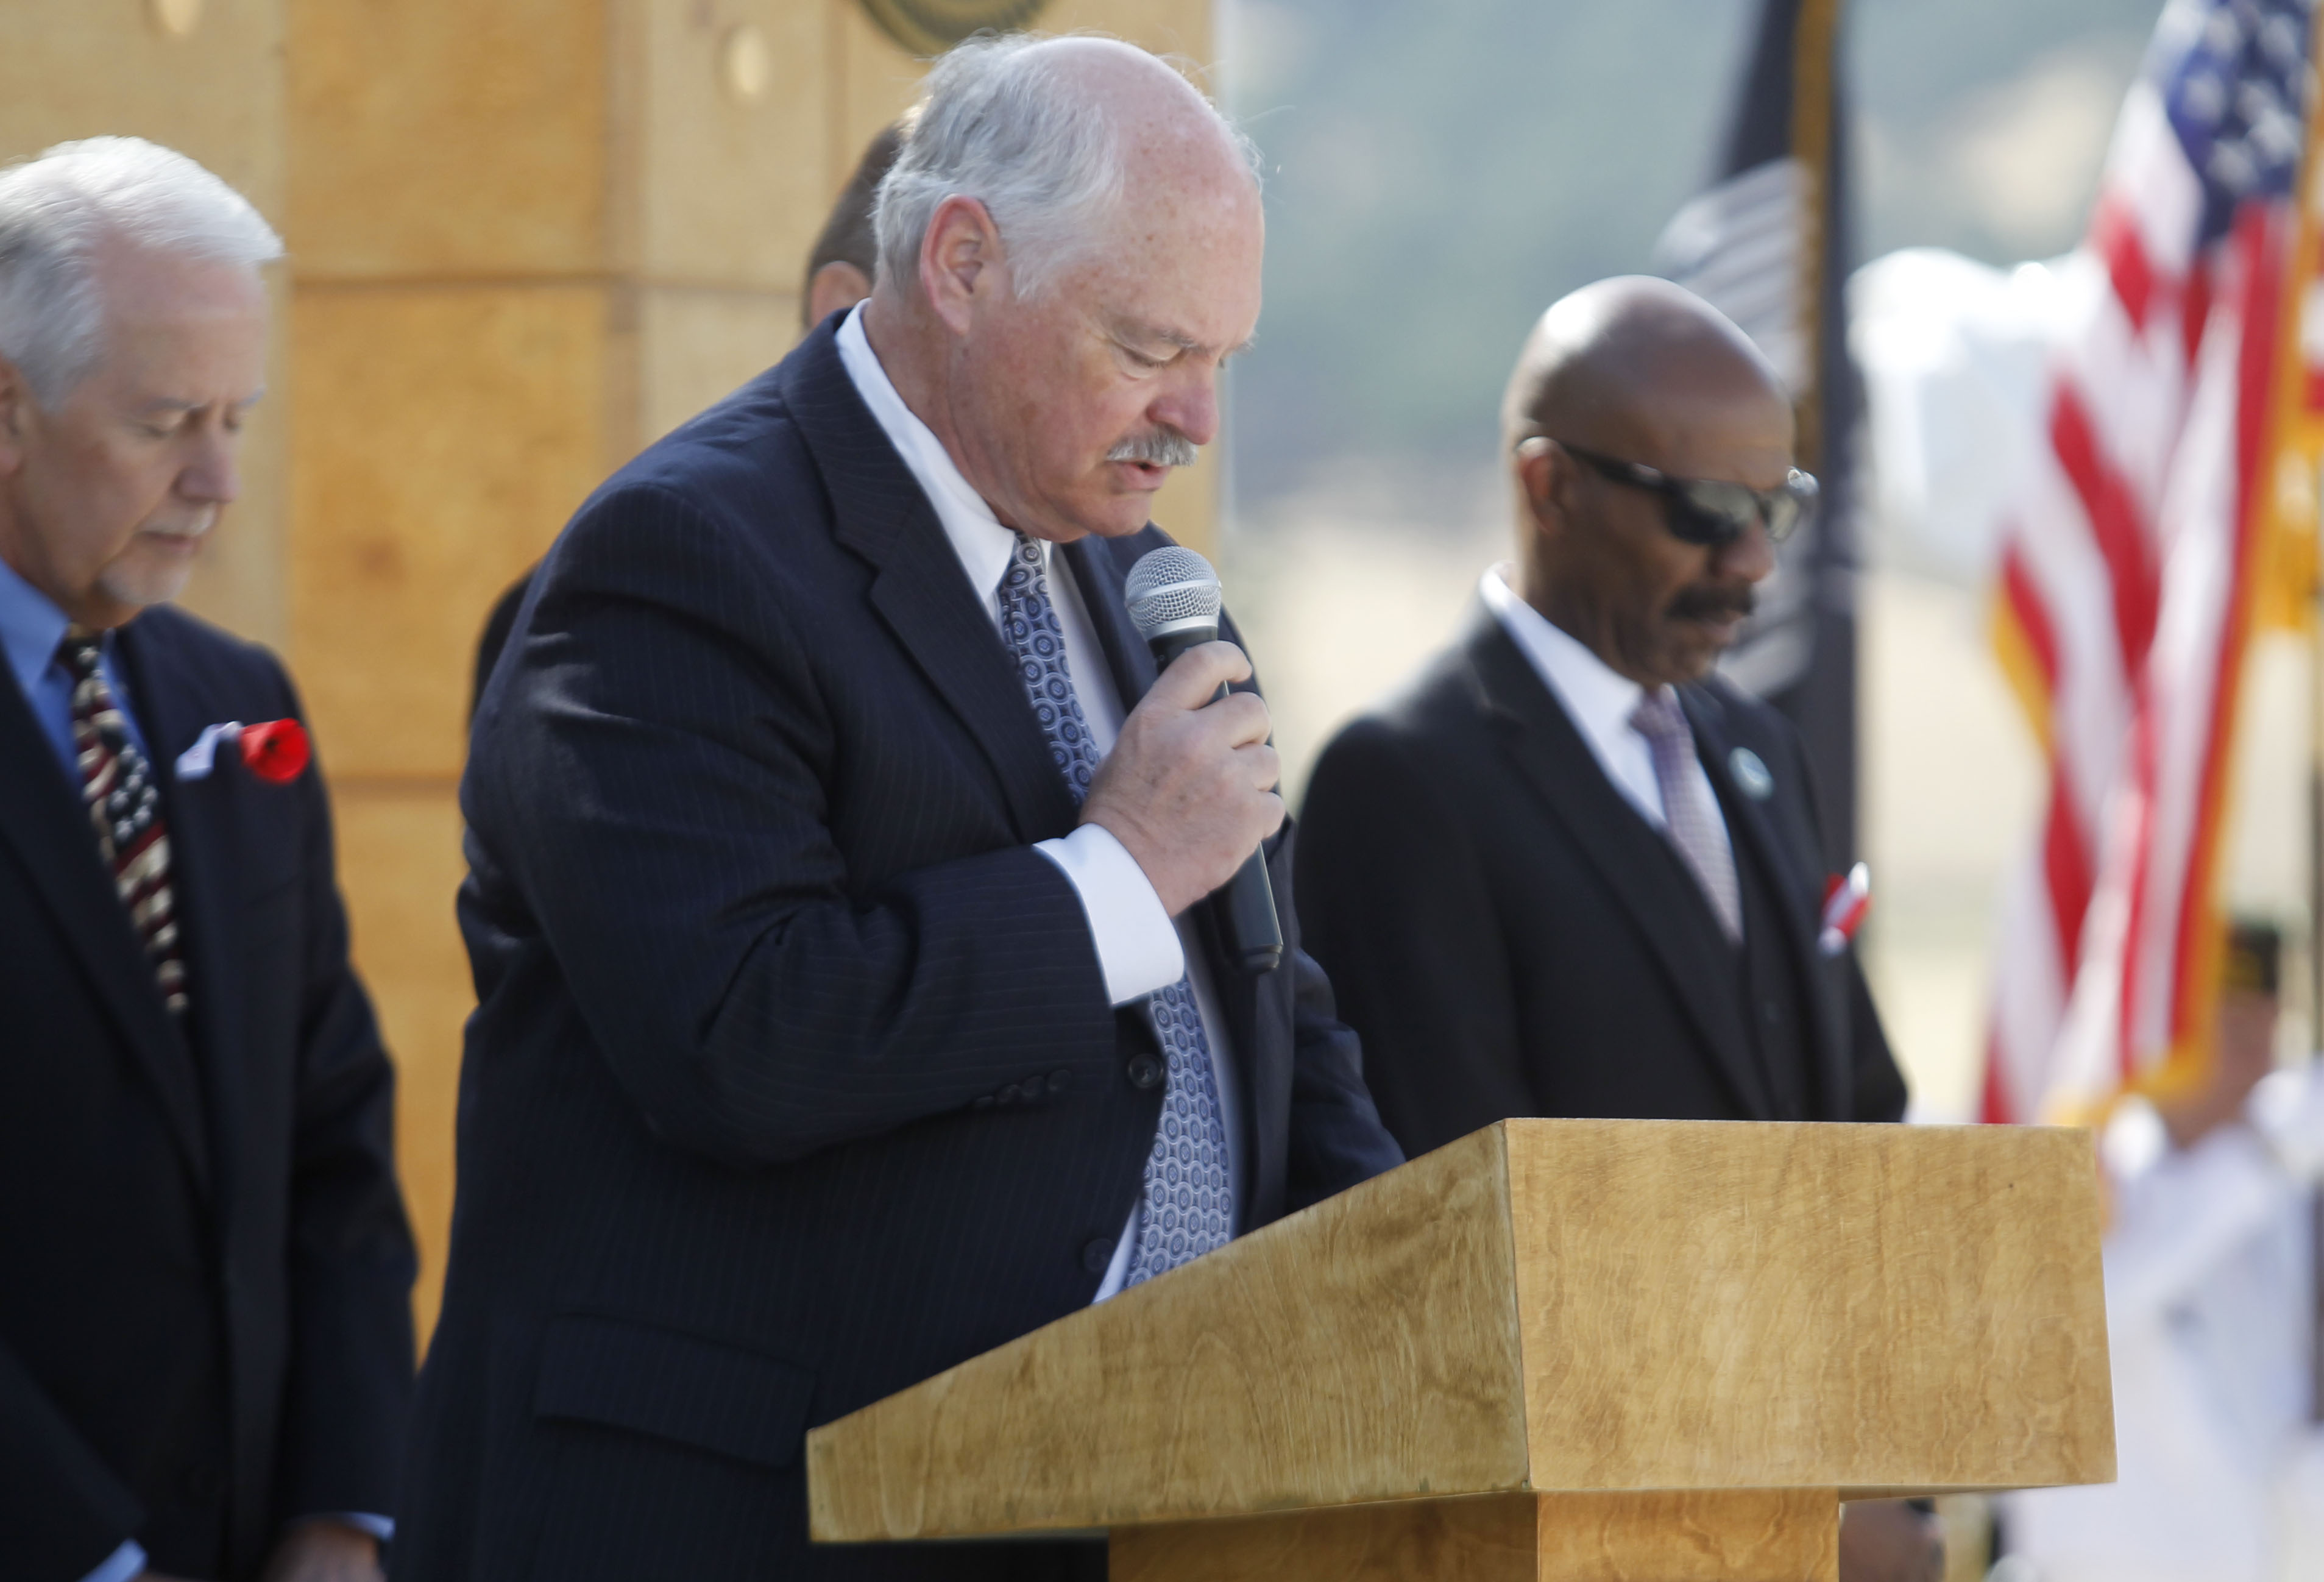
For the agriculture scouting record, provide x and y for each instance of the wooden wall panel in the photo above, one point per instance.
(733, 188)
(448, 138)
(444, 434)
(400, 865)
(697, 346)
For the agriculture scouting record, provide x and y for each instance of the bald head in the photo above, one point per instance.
(1628, 373)
(1635, 365)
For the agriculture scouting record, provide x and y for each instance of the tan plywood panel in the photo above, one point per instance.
(873, 81)
(1757, 1535)
(93, 67)
(1286, 1369)
(448, 138)
(1167, 27)
(733, 182)
(399, 864)
(695, 347)
(444, 436)
(1703, 1306)
(1712, 1305)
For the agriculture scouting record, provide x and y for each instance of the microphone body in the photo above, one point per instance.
(1172, 621)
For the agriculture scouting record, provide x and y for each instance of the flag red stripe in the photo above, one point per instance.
(2114, 524)
(2033, 615)
(2066, 867)
(1994, 1108)
(2114, 233)
(2195, 308)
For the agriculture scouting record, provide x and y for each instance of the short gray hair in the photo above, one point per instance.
(997, 122)
(54, 211)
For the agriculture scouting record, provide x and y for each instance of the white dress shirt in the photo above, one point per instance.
(1139, 946)
(1598, 700)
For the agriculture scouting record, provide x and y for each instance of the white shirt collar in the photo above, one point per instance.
(1597, 697)
(977, 537)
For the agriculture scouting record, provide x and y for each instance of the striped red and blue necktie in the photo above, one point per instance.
(117, 783)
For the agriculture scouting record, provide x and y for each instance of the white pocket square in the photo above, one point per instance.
(194, 763)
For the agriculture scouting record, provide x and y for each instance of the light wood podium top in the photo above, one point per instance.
(1547, 1306)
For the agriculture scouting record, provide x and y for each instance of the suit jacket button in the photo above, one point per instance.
(1145, 1071)
(1773, 1012)
(1059, 1081)
(1098, 1256)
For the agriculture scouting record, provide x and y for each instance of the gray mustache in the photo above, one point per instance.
(1156, 447)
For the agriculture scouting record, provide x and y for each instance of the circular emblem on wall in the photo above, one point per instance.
(930, 27)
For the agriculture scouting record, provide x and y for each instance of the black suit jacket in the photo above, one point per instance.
(793, 1078)
(205, 1328)
(1511, 938)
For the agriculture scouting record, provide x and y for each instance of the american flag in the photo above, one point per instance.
(2126, 576)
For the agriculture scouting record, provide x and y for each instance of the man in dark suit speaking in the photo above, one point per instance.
(1570, 871)
(847, 1006)
(205, 1273)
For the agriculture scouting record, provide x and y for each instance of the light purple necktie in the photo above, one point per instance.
(1690, 822)
(1188, 1209)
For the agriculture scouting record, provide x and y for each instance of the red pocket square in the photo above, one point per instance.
(277, 750)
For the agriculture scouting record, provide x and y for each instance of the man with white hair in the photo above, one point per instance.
(849, 1003)
(206, 1339)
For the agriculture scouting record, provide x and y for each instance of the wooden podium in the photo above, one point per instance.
(1648, 1351)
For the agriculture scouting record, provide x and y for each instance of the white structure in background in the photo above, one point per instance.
(1956, 361)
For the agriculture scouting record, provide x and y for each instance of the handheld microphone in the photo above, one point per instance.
(1173, 600)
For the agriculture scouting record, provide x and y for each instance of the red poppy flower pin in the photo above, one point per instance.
(276, 750)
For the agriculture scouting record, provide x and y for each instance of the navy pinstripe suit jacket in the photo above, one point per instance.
(793, 1078)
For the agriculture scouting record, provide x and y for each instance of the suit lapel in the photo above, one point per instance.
(919, 588)
(1633, 859)
(1749, 824)
(202, 867)
(43, 819)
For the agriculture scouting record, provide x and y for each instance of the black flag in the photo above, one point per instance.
(1767, 245)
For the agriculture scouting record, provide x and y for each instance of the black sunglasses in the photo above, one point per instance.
(1714, 514)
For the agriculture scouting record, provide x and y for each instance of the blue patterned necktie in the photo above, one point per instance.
(1188, 1209)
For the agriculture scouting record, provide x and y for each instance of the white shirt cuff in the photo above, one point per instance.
(1137, 945)
(120, 1566)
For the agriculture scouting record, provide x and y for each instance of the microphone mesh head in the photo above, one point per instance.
(1171, 587)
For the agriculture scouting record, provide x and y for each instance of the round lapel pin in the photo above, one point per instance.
(1751, 776)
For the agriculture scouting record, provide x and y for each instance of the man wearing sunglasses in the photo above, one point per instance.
(1569, 870)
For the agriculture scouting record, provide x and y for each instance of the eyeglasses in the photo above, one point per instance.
(1702, 511)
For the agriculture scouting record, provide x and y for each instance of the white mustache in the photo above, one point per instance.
(199, 528)
(1156, 447)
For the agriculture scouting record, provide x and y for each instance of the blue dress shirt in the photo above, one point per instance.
(30, 628)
